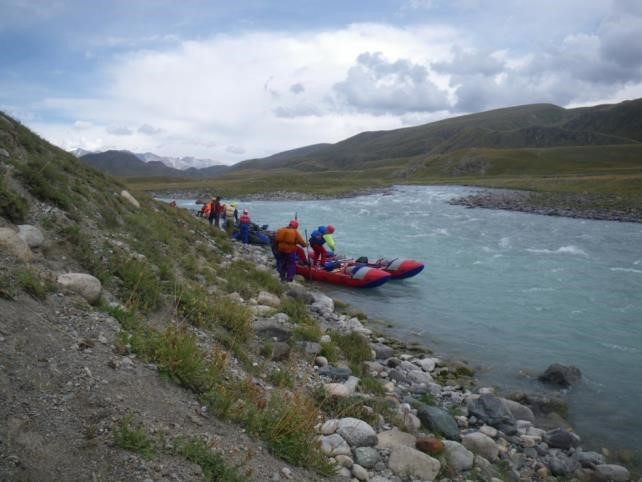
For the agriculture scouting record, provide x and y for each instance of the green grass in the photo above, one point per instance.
(281, 378)
(213, 465)
(140, 287)
(12, 206)
(245, 279)
(296, 310)
(355, 348)
(134, 439)
(33, 283)
(372, 385)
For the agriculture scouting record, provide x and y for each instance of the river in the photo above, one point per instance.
(509, 292)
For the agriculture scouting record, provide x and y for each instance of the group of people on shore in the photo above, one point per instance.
(288, 244)
(226, 216)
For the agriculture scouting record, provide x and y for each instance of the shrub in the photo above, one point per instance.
(243, 277)
(281, 378)
(134, 439)
(12, 206)
(236, 318)
(178, 356)
(330, 351)
(43, 180)
(372, 385)
(311, 332)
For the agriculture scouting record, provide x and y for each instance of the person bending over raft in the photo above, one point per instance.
(327, 236)
(287, 238)
(244, 227)
(317, 241)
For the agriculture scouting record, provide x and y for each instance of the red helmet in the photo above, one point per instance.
(329, 228)
(294, 224)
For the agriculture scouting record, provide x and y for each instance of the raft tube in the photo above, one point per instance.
(399, 268)
(352, 275)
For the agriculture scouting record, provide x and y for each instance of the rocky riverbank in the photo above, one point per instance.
(571, 205)
(442, 427)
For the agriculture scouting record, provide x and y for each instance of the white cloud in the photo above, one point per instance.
(119, 131)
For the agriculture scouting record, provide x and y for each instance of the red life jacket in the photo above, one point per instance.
(244, 219)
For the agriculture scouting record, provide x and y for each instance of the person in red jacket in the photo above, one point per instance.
(244, 227)
(287, 239)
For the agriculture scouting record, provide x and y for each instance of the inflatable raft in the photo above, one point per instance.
(346, 274)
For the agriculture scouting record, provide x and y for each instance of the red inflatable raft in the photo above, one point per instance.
(352, 275)
(399, 268)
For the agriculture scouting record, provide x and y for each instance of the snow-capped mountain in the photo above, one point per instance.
(176, 162)
(80, 152)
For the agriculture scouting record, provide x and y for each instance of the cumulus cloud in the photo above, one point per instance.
(150, 130)
(81, 125)
(379, 86)
(119, 131)
(235, 150)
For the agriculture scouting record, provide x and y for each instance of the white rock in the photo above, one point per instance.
(458, 456)
(31, 235)
(522, 426)
(395, 437)
(321, 361)
(427, 364)
(405, 461)
(379, 478)
(486, 391)
(357, 432)
(389, 387)
(411, 422)
(333, 445)
(337, 390)
(261, 310)
(481, 444)
(360, 472)
(13, 244)
(322, 303)
(329, 426)
(84, 284)
(325, 339)
(131, 199)
(419, 376)
(344, 472)
(519, 411)
(344, 460)
(488, 430)
(268, 299)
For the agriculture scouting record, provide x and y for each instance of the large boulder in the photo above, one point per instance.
(561, 439)
(394, 437)
(491, 410)
(13, 244)
(458, 456)
(438, 420)
(561, 375)
(366, 456)
(382, 351)
(357, 432)
(408, 462)
(334, 445)
(322, 303)
(481, 444)
(298, 292)
(31, 235)
(519, 411)
(83, 284)
(129, 198)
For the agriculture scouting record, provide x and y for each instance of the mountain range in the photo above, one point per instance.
(540, 126)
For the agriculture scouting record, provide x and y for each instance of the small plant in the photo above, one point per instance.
(296, 310)
(281, 378)
(32, 283)
(133, 438)
(243, 277)
(140, 286)
(331, 351)
(372, 385)
(7, 288)
(236, 318)
(355, 348)
(212, 464)
(428, 399)
(311, 332)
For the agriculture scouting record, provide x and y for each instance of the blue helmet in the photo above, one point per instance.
(322, 229)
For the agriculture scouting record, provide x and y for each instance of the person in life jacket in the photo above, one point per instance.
(287, 238)
(327, 236)
(244, 227)
(209, 211)
(231, 215)
(215, 214)
(317, 241)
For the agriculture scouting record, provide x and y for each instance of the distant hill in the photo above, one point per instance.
(527, 126)
(127, 164)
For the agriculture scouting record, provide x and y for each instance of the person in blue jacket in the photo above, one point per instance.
(319, 253)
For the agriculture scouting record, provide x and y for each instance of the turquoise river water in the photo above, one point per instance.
(509, 292)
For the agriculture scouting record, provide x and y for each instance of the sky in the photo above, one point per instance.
(228, 81)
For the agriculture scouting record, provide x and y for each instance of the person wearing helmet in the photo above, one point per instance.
(287, 239)
(317, 241)
(327, 236)
(244, 227)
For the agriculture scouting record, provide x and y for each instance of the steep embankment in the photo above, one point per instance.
(140, 344)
